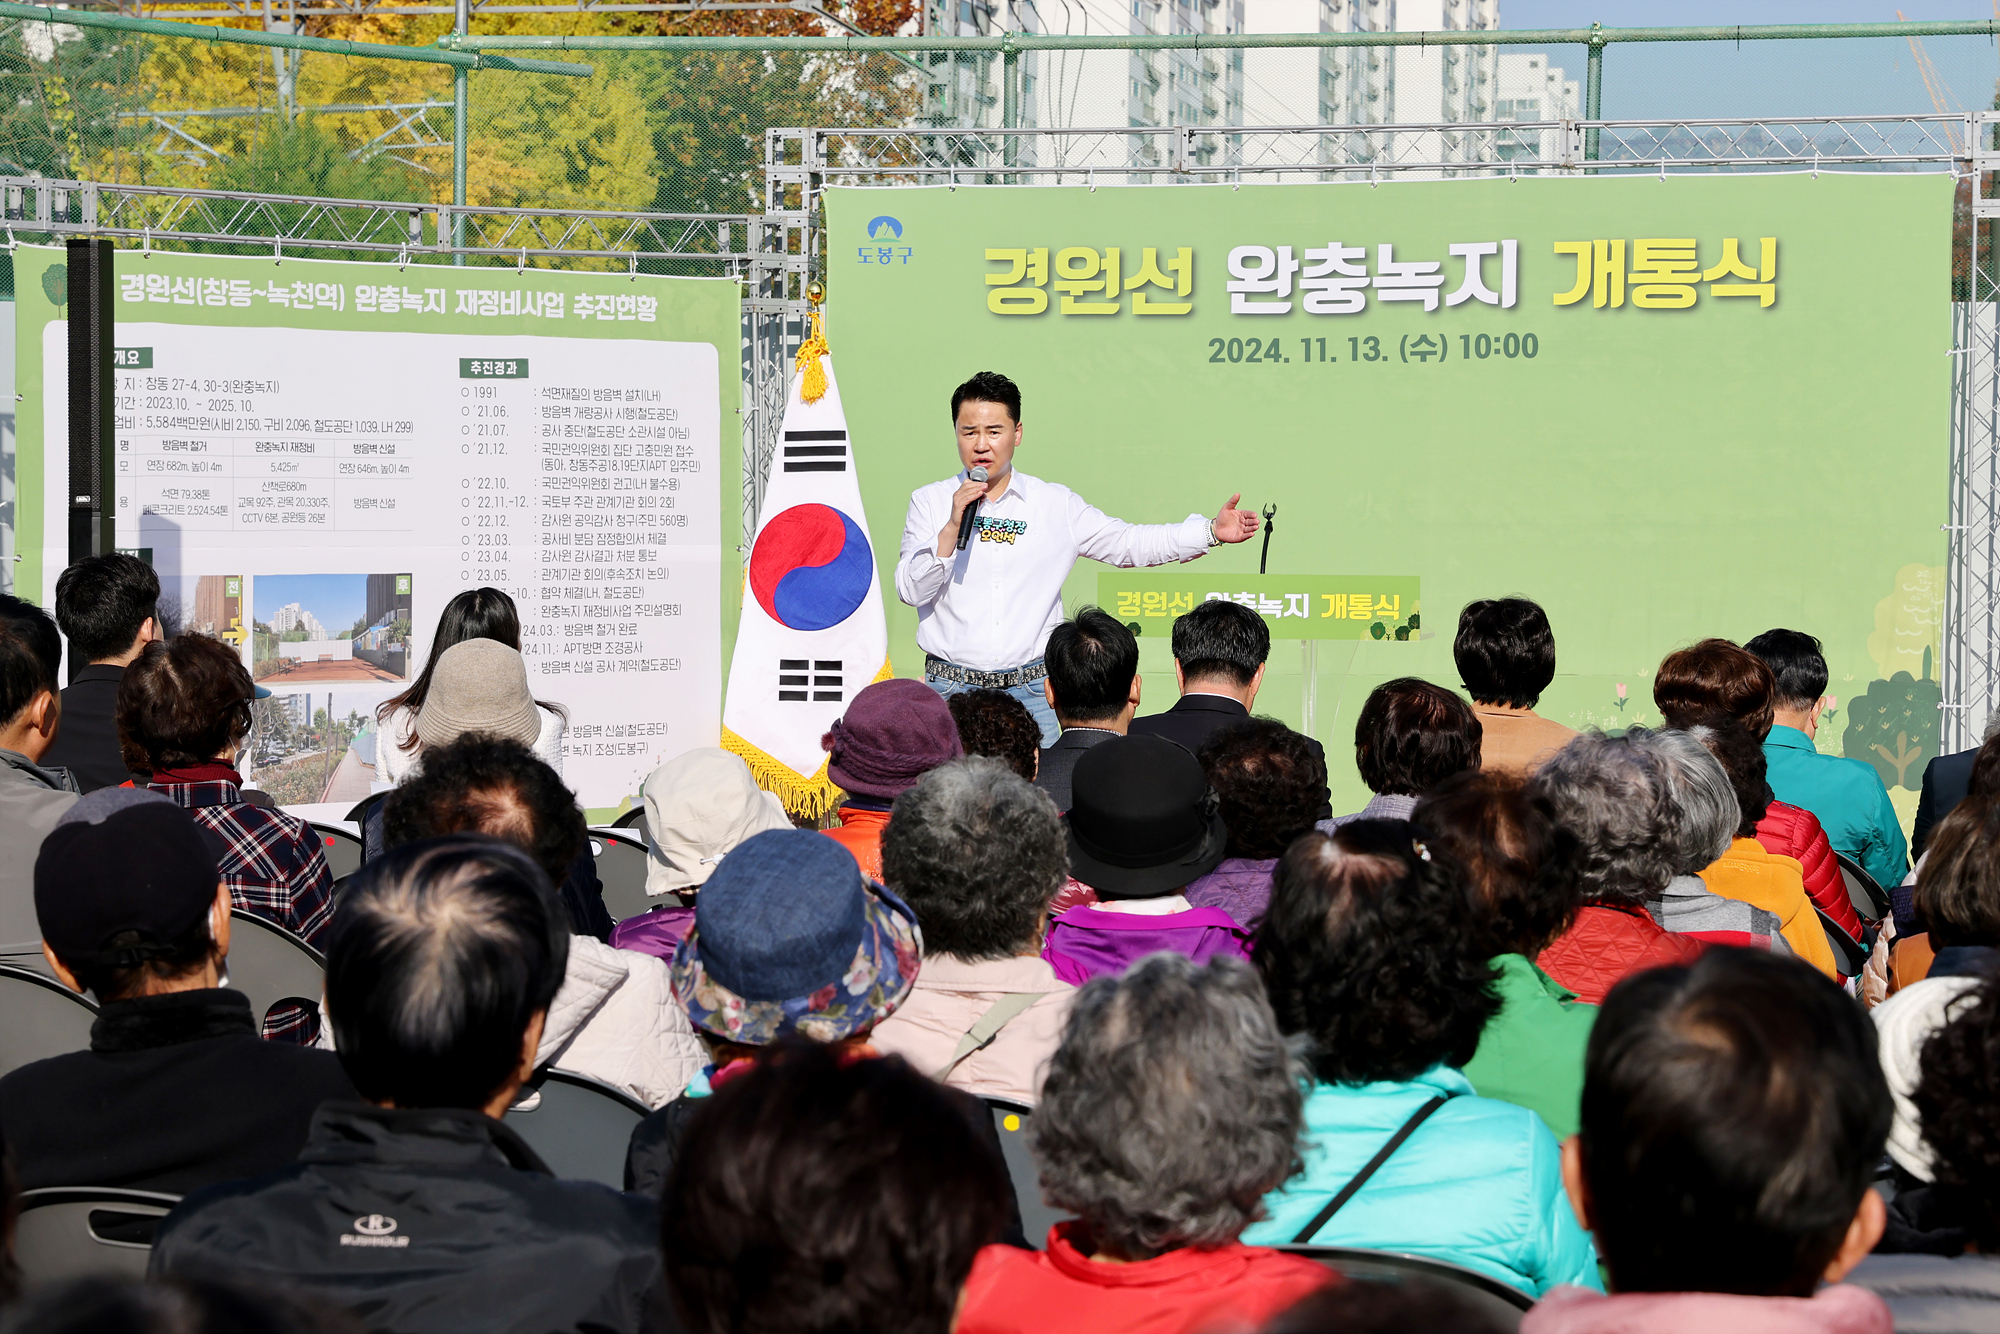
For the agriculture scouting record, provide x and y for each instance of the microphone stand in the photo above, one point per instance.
(1270, 524)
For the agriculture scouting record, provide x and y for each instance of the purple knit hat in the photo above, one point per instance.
(894, 733)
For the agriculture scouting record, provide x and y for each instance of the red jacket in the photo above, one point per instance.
(1606, 943)
(1793, 831)
(1188, 1291)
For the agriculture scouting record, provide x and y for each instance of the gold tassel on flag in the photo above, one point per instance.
(808, 799)
(812, 375)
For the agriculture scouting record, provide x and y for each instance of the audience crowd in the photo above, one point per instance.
(1582, 1033)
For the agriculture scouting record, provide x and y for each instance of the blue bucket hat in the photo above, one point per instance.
(790, 937)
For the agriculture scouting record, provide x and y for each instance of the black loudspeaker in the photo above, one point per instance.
(93, 504)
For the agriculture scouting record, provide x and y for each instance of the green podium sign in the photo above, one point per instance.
(1297, 606)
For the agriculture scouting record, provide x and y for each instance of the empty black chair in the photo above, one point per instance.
(43, 1018)
(1870, 900)
(269, 964)
(578, 1125)
(67, 1232)
(1849, 953)
(343, 850)
(1010, 1123)
(1496, 1301)
(621, 867)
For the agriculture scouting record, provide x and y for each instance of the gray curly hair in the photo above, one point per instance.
(977, 851)
(1172, 1107)
(1611, 793)
(1700, 788)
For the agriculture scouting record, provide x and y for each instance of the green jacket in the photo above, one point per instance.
(1847, 796)
(1531, 1054)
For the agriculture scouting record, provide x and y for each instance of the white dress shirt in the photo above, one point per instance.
(991, 606)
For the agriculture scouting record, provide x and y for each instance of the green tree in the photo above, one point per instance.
(61, 89)
(1894, 726)
(304, 157)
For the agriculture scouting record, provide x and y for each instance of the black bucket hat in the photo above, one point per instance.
(1142, 820)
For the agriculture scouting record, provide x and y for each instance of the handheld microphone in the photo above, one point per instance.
(965, 524)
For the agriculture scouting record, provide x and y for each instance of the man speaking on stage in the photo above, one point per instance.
(985, 553)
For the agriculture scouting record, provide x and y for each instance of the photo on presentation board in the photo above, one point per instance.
(203, 604)
(346, 628)
(311, 746)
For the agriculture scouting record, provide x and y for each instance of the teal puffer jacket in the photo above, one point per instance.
(1479, 1184)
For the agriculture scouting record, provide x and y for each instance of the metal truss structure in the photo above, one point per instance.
(410, 130)
(1970, 672)
(403, 232)
(1191, 153)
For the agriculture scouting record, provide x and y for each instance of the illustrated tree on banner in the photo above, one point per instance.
(812, 632)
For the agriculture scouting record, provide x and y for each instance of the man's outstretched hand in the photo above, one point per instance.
(1235, 525)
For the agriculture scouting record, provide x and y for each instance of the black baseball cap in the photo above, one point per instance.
(124, 874)
(1143, 820)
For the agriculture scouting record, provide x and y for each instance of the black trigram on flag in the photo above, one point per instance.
(801, 456)
(815, 679)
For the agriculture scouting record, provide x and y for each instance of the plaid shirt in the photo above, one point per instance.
(275, 868)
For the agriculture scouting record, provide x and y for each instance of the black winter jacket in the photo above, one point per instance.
(430, 1221)
(176, 1092)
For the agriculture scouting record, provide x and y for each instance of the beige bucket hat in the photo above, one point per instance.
(699, 806)
(480, 685)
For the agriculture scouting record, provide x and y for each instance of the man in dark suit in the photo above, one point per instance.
(1093, 686)
(1219, 653)
(1946, 781)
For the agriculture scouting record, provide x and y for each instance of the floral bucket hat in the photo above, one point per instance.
(790, 937)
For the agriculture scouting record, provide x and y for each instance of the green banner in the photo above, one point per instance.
(1297, 606)
(1708, 405)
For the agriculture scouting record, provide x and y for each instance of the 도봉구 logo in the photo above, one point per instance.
(883, 234)
(374, 1230)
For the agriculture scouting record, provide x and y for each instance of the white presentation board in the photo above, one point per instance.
(316, 495)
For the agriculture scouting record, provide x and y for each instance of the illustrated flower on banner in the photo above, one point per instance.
(1831, 706)
(1620, 701)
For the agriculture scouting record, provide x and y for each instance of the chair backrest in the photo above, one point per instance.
(43, 1018)
(67, 1232)
(269, 964)
(580, 1126)
(621, 866)
(359, 815)
(1849, 953)
(634, 819)
(1870, 900)
(1010, 1123)
(1496, 1301)
(343, 849)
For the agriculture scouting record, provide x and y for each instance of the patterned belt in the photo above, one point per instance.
(935, 666)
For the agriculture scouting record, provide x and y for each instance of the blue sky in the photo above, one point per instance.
(1832, 77)
(335, 598)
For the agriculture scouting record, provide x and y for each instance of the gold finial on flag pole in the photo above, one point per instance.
(812, 375)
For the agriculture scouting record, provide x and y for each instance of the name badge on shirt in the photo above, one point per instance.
(1000, 530)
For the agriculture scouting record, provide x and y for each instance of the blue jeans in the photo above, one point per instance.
(1029, 694)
